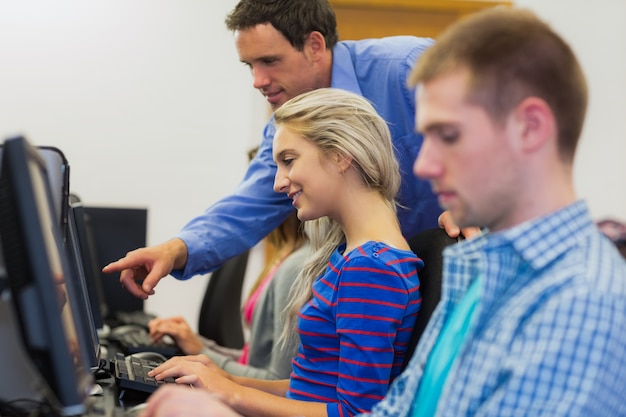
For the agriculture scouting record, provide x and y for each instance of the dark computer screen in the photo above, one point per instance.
(37, 270)
(117, 231)
(86, 245)
(79, 299)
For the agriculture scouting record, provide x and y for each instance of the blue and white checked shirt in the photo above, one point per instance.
(549, 335)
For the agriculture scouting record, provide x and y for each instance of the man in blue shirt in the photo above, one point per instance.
(291, 46)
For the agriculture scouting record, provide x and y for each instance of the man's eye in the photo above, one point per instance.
(449, 137)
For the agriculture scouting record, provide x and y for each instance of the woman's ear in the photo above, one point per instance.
(343, 161)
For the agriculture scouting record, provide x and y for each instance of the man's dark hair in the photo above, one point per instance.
(295, 19)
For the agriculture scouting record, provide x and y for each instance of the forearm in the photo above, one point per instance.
(275, 387)
(233, 367)
(231, 226)
(247, 371)
(220, 355)
(255, 403)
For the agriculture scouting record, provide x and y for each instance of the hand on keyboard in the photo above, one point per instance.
(131, 372)
(133, 339)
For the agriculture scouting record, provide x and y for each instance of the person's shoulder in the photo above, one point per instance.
(378, 253)
(388, 46)
(373, 261)
(291, 266)
(300, 254)
(603, 266)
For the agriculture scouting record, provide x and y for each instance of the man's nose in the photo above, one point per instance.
(427, 163)
(259, 78)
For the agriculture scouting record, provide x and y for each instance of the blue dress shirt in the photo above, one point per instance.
(549, 335)
(378, 70)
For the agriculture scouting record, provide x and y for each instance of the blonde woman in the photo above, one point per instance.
(356, 300)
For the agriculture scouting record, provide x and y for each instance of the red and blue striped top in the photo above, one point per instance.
(356, 328)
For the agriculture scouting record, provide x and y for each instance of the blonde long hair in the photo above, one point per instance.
(338, 122)
(281, 242)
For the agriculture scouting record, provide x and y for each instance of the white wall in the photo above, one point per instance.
(596, 30)
(149, 103)
(146, 98)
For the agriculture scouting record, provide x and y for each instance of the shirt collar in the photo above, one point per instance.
(537, 243)
(343, 75)
(540, 241)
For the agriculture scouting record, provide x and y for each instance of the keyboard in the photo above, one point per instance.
(131, 373)
(133, 339)
(138, 317)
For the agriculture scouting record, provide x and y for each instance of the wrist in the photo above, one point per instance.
(233, 398)
(178, 252)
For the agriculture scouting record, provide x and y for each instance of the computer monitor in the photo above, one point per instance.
(79, 299)
(59, 180)
(117, 231)
(37, 268)
(58, 172)
(86, 244)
